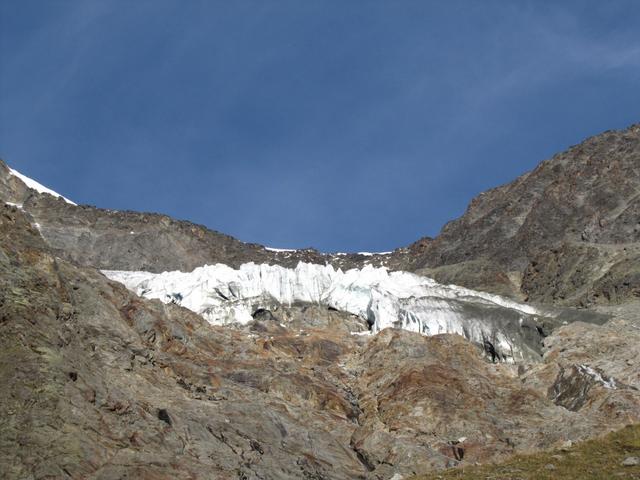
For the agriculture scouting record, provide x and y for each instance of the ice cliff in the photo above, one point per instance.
(223, 295)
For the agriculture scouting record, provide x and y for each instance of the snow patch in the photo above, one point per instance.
(270, 249)
(29, 182)
(361, 334)
(606, 383)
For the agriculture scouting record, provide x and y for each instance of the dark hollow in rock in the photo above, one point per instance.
(263, 314)
(163, 415)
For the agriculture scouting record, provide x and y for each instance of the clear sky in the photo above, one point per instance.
(346, 125)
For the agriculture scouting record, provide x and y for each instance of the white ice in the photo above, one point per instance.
(223, 295)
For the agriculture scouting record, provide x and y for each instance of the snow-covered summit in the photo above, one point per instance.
(31, 183)
(223, 295)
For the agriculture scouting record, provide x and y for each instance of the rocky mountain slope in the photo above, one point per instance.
(616, 455)
(116, 240)
(567, 232)
(100, 383)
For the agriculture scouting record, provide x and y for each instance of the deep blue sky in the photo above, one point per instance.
(344, 125)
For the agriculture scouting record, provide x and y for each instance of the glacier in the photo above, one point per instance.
(223, 295)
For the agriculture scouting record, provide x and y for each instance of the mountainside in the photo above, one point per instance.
(116, 240)
(614, 456)
(296, 364)
(99, 383)
(566, 233)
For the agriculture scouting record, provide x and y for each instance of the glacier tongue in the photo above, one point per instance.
(223, 295)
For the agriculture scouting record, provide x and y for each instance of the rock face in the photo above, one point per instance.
(100, 384)
(441, 404)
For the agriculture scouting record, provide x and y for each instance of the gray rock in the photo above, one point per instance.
(631, 462)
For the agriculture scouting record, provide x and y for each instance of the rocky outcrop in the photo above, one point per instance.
(448, 406)
(593, 370)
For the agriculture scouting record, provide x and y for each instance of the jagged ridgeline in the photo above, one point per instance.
(515, 330)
